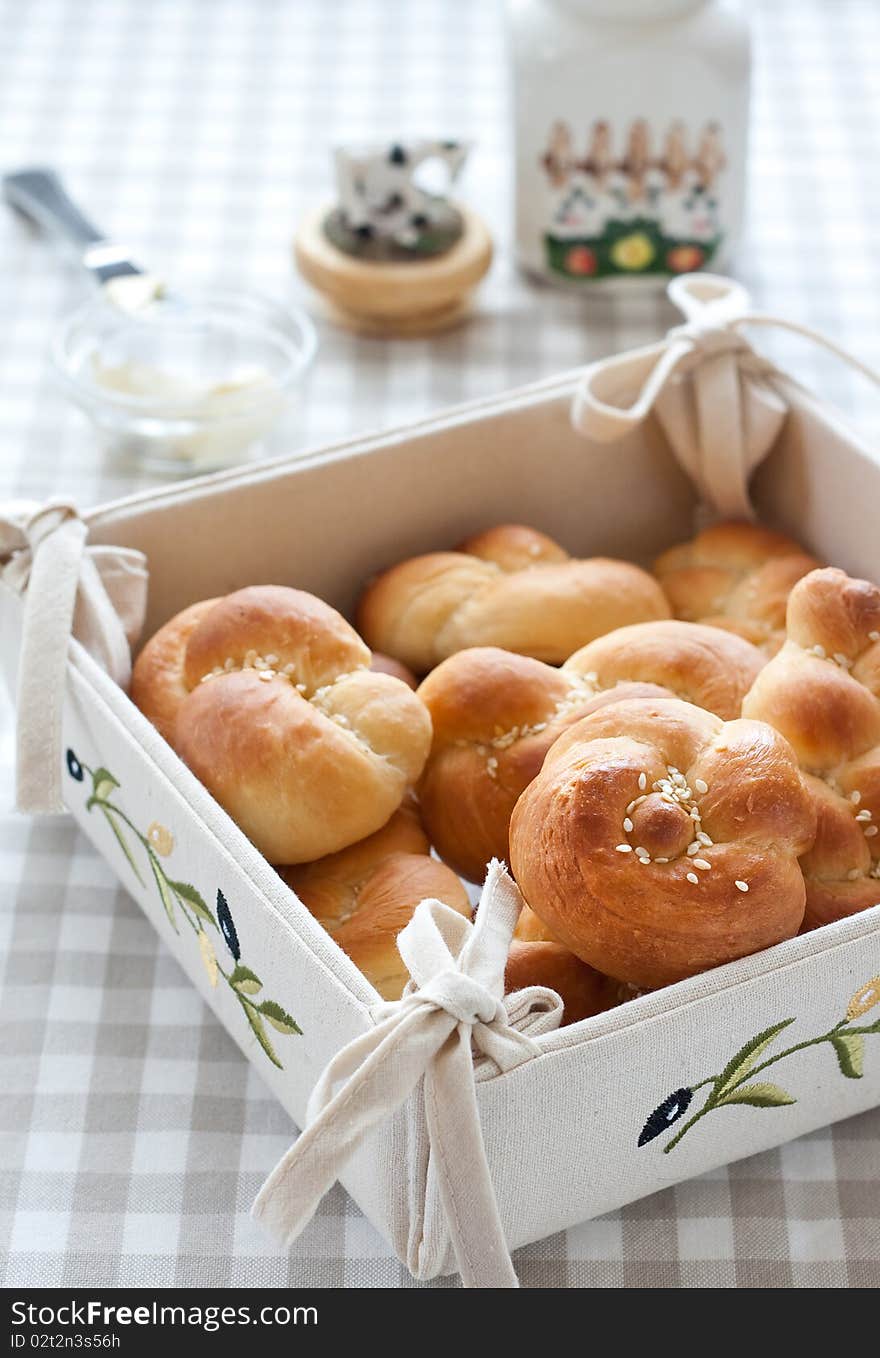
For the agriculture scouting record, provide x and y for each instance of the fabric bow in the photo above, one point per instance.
(453, 1004)
(96, 594)
(710, 390)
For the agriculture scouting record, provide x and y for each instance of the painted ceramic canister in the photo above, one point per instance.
(631, 131)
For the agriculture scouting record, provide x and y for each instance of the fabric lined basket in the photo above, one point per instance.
(463, 1124)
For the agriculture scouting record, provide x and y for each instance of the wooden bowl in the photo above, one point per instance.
(402, 298)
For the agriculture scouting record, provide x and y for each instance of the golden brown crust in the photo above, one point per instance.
(691, 661)
(365, 894)
(158, 686)
(266, 694)
(822, 691)
(510, 587)
(736, 576)
(496, 714)
(584, 991)
(656, 780)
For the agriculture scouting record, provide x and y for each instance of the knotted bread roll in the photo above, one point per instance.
(659, 840)
(267, 695)
(737, 576)
(822, 691)
(496, 714)
(365, 894)
(537, 958)
(510, 587)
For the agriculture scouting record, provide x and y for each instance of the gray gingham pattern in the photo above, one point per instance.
(134, 1136)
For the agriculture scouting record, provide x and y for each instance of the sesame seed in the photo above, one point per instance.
(819, 651)
(266, 674)
(623, 848)
(701, 786)
(855, 797)
(741, 886)
(300, 688)
(228, 664)
(874, 636)
(271, 660)
(852, 875)
(627, 824)
(643, 781)
(864, 815)
(843, 660)
(631, 808)
(642, 851)
(692, 877)
(661, 860)
(870, 832)
(702, 864)
(704, 839)
(693, 847)
(643, 860)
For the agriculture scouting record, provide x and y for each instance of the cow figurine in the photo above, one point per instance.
(380, 201)
(390, 257)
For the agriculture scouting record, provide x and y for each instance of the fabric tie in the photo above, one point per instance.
(453, 1005)
(97, 594)
(712, 393)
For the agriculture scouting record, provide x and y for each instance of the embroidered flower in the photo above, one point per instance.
(209, 957)
(161, 839)
(864, 999)
(74, 767)
(227, 927)
(669, 1111)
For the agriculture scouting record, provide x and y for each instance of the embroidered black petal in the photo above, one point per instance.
(227, 927)
(670, 1111)
(74, 767)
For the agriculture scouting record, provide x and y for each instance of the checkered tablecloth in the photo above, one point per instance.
(133, 1136)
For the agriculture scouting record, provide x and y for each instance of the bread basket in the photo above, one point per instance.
(496, 1128)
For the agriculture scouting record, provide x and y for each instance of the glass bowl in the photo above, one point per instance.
(185, 385)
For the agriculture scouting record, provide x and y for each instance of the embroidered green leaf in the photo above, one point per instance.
(165, 892)
(739, 1066)
(103, 784)
(121, 841)
(850, 1051)
(260, 1033)
(245, 980)
(278, 1017)
(192, 897)
(757, 1096)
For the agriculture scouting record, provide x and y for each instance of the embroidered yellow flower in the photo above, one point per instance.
(209, 957)
(161, 839)
(633, 252)
(864, 999)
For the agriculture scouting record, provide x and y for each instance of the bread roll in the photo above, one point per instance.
(365, 894)
(737, 576)
(583, 991)
(822, 691)
(267, 695)
(658, 840)
(510, 587)
(383, 664)
(496, 714)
